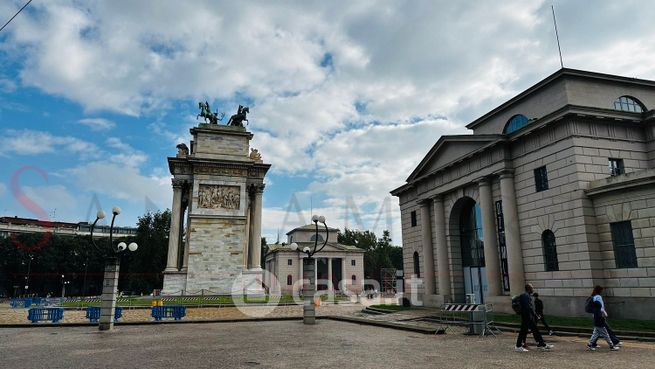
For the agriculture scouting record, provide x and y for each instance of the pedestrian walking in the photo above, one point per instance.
(529, 322)
(539, 309)
(599, 329)
(596, 296)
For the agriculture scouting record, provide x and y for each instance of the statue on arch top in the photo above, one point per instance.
(207, 114)
(238, 118)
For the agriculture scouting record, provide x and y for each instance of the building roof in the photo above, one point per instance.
(37, 223)
(562, 73)
(311, 227)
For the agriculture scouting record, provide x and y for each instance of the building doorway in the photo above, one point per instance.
(472, 247)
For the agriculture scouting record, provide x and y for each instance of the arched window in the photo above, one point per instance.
(515, 123)
(550, 251)
(627, 103)
(354, 278)
(289, 280)
(417, 268)
(314, 238)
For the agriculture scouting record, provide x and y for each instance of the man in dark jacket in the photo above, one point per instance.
(529, 322)
(539, 309)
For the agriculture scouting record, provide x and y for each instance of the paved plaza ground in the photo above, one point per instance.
(290, 344)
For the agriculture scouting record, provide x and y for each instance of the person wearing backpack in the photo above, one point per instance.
(596, 297)
(599, 328)
(529, 322)
(539, 309)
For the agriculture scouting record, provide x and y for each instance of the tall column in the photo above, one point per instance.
(512, 233)
(428, 253)
(442, 248)
(109, 291)
(330, 285)
(300, 270)
(256, 237)
(345, 278)
(174, 233)
(492, 264)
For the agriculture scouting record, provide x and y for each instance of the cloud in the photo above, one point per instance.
(3, 189)
(7, 85)
(55, 200)
(122, 182)
(29, 142)
(126, 155)
(97, 124)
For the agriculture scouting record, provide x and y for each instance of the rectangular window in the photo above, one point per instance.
(352, 262)
(624, 245)
(413, 218)
(289, 261)
(541, 179)
(616, 166)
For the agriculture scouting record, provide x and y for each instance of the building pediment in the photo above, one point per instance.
(449, 149)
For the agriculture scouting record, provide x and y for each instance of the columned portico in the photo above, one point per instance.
(428, 253)
(442, 249)
(255, 250)
(512, 232)
(492, 264)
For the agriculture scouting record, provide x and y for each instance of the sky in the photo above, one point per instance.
(346, 97)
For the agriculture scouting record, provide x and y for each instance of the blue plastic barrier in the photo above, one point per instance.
(176, 312)
(93, 313)
(24, 302)
(45, 314)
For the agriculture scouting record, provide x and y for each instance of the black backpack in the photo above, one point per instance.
(589, 305)
(516, 304)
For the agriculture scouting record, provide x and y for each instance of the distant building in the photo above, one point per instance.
(555, 187)
(16, 225)
(335, 263)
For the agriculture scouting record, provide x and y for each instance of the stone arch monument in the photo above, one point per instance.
(215, 234)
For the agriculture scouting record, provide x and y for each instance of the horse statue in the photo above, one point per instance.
(238, 118)
(207, 114)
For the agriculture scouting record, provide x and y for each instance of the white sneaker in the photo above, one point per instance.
(521, 349)
(546, 347)
(619, 344)
(614, 348)
(550, 332)
(591, 348)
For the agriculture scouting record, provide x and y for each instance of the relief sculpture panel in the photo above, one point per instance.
(219, 197)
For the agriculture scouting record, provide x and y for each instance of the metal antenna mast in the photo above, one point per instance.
(561, 63)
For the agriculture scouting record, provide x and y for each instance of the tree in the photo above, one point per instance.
(378, 253)
(141, 271)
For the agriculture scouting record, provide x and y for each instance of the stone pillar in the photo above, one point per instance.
(315, 273)
(109, 291)
(300, 270)
(512, 233)
(442, 249)
(256, 237)
(309, 310)
(330, 284)
(174, 233)
(343, 283)
(492, 263)
(428, 253)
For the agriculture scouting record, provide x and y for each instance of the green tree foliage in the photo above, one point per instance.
(141, 271)
(380, 253)
(82, 264)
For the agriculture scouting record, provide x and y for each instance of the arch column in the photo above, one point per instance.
(174, 232)
(492, 264)
(442, 249)
(428, 252)
(512, 233)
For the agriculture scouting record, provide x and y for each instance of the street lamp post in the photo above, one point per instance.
(63, 286)
(27, 278)
(112, 268)
(309, 307)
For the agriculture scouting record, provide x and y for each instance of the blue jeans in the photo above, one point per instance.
(613, 336)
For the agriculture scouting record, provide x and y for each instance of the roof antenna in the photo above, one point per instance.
(561, 63)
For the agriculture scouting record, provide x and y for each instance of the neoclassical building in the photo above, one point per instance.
(332, 265)
(555, 187)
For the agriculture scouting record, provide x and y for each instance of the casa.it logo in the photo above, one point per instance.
(32, 207)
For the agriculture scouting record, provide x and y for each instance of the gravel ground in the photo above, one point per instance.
(290, 344)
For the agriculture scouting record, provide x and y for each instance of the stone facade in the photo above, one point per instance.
(573, 127)
(215, 235)
(333, 263)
